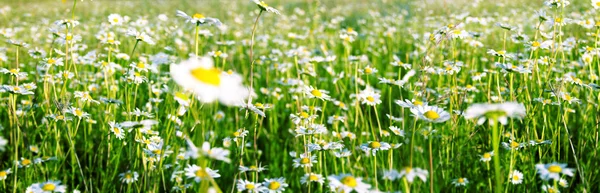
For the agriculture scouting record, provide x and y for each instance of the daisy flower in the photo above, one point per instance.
(372, 147)
(275, 185)
(431, 113)
(410, 174)
(410, 103)
(245, 185)
(497, 112)
(129, 177)
(49, 187)
(487, 156)
(199, 174)
(596, 4)
(312, 92)
(209, 83)
(115, 19)
(264, 7)
(515, 177)
(460, 182)
(304, 160)
(312, 177)
(347, 183)
(553, 171)
(369, 97)
(4, 174)
(550, 189)
(199, 19)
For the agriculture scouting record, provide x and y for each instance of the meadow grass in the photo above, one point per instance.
(327, 96)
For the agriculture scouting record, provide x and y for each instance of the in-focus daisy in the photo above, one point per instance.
(209, 83)
(515, 177)
(275, 185)
(431, 113)
(553, 171)
(499, 112)
(199, 174)
(372, 147)
(347, 183)
(129, 177)
(245, 185)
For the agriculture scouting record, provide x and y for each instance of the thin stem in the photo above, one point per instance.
(496, 144)
(252, 60)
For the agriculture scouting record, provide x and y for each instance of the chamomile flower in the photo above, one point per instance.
(553, 171)
(248, 186)
(209, 83)
(410, 173)
(264, 7)
(347, 183)
(515, 177)
(198, 174)
(431, 113)
(129, 177)
(312, 177)
(369, 97)
(460, 182)
(487, 156)
(115, 19)
(497, 112)
(312, 92)
(274, 185)
(199, 19)
(49, 187)
(4, 174)
(372, 147)
(304, 161)
(550, 189)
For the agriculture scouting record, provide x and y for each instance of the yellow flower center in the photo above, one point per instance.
(207, 76)
(305, 161)
(259, 105)
(370, 99)
(116, 20)
(117, 131)
(181, 96)
(374, 145)
(141, 65)
(431, 115)
(461, 180)
(558, 20)
(515, 178)
(316, 93)
(368, 70)
(236, 134)
(78, 112)
(514, 144)
(555, 169)
(349, 181)
(26, 162)
(313, 177)
(14, 71)
(249, 186)
(198, 16)
(128, 176)
(48, 187)
(408, 169)
(253, 168)
(2, 174)
(218, 53)
(51, 61)
(304, 115)
(274, 185)
(200, 173)
(535, 44)
(487, 155)
(501, 52)
(568, 97)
